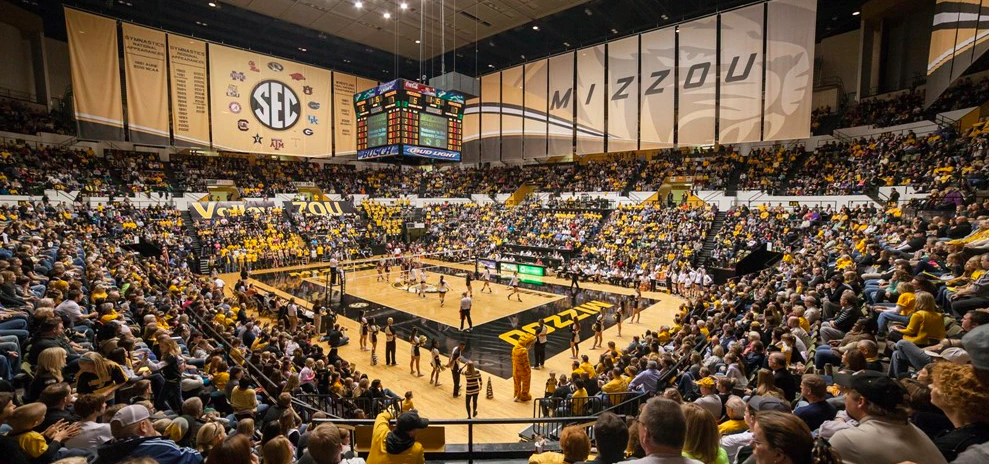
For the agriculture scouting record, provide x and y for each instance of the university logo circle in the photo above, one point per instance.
(359, 305)
(275, 105)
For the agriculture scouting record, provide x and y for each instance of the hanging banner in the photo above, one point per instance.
(561, 104)
(623, 94)
(740, 104)
(95, 75)
(344, 119)
(190, 104)
(511, 113)
(590, 100)
(472, 132)
(534, 123)
(789, 69)
(491, 117)
(146, 84)
(262, 104)
(968, 21)
(982, 31)
(658, 88)
(697, 81)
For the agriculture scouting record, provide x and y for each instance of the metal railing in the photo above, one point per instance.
(346, 407)
(471, 453)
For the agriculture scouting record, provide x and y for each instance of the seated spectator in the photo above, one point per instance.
(92, 433)
(134, 436)
(662, 431)
(814, 390)
(24, 419)
(610, 439)
(575, 446)
(779, 437)
(883, 433)
(956, 390)
(397, 445)
(701, 438)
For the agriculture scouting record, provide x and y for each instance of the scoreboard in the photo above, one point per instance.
(404, 119)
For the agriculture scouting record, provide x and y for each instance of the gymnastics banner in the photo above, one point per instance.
(590, 100)
(740, 107)
(623, 94)
(146, 82)
(472, 131)
(561, 104)
(490, 111)
(95, 75)
(697, 81)
(511, 113)
(534, 116)
(789, 69)
(190, 107)
(658, 88)
(262, 104)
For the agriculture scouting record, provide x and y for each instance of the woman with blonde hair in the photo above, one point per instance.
(97, 373)
(171, 367)
(926, 325)
(702, 440)
(210, 435)
(47, 372)
(473, 382)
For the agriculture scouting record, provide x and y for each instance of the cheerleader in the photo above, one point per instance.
(364, 330)
(598, 328)
(373, 329)
(468, 278)
(416, 343)
(442, 289)
(574, 339)
(637, 304)
(387, 271)
(434, 377)
(620, 314)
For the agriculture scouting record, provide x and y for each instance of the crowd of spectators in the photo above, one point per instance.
(745, 230)
(902, 108)
(252, 239)
(21, 118)
(765, 169)
(710, 169)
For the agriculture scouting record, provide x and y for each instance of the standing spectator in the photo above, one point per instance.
(473, 380)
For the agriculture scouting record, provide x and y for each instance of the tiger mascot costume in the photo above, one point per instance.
(521, 369)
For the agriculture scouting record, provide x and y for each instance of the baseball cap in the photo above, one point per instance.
(955, 355)
(410, 421)
(976, 343)
(767, 403)
(130, 415)
(875, 386)
(705, 382)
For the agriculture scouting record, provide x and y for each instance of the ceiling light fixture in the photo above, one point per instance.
(387, 15)
(404, 6)
(535, 28)
(212, 4)
(491, 66)
(855, 13)
(418, 41)
(566, 44)
(359, 4)
(302, 49)
(614, 31)
(665, 18)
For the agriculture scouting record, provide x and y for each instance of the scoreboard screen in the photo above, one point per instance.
(408, 119)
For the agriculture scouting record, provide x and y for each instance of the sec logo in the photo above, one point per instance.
(275, 105)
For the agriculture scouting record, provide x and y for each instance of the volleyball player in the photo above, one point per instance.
(442, 288)
(486, 277)
(467, 279)
(637, 305)
(422, 283)
(381, 272)
(515, 287)
(416, 344)
(387, 271)
(372, 329)
(434, 377)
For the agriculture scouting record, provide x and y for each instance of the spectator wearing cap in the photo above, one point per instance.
(735, 417)
(814, 389)
(738, 446)
(957, 391)
(134, 436)
(397, 446)
(883, 434)
(662, 431)
(709, 399)
(907, 354)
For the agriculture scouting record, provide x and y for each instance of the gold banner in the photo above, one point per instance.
(147, 94)
(344, 119)
(95, 75)
(262, 104)
(190, 105)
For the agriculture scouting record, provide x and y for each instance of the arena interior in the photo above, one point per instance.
(505, 231)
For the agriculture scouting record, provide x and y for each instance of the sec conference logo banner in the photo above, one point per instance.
(279, 102)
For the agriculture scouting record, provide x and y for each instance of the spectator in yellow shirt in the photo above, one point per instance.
(905, 305)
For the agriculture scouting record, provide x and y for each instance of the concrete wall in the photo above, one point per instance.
(59, 72)
(838, 56)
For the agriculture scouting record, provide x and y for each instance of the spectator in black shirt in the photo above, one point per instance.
(784, 379)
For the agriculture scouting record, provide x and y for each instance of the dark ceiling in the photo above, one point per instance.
(588, 24)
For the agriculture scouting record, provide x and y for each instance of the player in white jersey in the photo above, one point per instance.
(486, 277)
(515, 287)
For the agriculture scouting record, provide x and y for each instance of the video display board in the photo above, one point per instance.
(408, 119)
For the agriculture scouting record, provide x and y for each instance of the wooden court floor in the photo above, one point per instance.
(437, 402)
(486, 306)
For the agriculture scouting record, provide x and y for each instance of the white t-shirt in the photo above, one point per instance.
(71, 309)
(91, 435)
